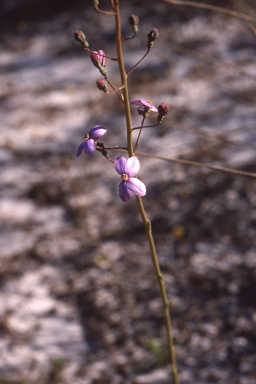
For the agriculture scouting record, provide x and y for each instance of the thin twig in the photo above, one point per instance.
(209, 59)
(105, 12)
(118, 94)
(129, 38)
(213, 8)
(132, 69)
(189, 162)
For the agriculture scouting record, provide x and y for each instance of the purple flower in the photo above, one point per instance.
(128, 169)
(88, 145)
(145, 105)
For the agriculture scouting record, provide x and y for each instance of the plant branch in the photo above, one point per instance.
(146, 126)
(136, 146)
(132, 69)
(189, 162)
(123, 78)
(146, 222)
(114, 89)
(129, 38)
(99, 10)
(213, 8)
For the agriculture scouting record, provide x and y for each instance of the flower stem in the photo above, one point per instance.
(146, 222)
(132, 69)
(160, 279)
(136, 146)
(123, 78)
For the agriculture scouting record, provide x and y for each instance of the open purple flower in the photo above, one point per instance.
(145, 105)
(88, 145)
(127, 169)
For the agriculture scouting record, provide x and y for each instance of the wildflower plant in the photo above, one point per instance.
(128, 167)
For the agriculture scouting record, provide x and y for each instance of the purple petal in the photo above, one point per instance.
(124, 192)
(97, 132)
(136, 186)
(120, 165)
(89, 147)
(132, 166)
(80, 149)
(144, 103)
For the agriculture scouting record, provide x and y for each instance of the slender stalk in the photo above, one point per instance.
(123, 78)
(213, 8)
(188, 162)
(146, 222)
(132, 69)
(114, 89)
(136, 146)
(160, 279)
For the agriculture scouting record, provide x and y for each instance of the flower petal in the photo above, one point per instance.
(144, 104)
(120, 165)
(97, 132)
(132, 166)
(137, 102)
(153, 108)
(136, 186)
(124, 192)
(89, 147)
(103, 59)
(80, 149)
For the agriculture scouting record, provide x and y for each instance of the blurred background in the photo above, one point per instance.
(79, 302)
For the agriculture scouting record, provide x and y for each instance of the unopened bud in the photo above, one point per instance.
(95, 3)
(134, 21)
(163, 109)
(152, 36)
(102, 85)
(98, 59)
(80, 37)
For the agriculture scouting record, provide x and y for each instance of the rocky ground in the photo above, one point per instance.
(79, 299)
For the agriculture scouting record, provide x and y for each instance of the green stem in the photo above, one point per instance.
(146, 222)
(123, 79)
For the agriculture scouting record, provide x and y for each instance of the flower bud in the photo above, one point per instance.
(163, 109)
(134, 21)
(98, 59)
(80, 37)
(152, 36)
(102, 85)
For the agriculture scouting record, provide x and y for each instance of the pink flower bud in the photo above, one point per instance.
(163, 109)
(80, 37)
(153, 35)
(102, 85)
(103, 59)
(98, 59)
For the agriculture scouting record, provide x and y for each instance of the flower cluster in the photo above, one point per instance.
(127, 169)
